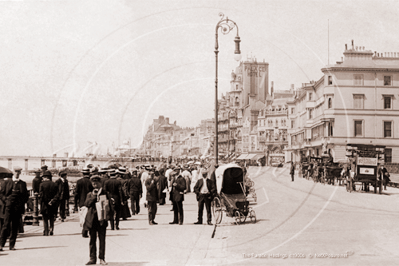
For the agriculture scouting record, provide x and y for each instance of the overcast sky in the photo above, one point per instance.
(79, 71)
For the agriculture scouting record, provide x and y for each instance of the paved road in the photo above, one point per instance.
(294, 218)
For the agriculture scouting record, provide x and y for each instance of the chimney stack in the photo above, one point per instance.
(353, 45)
(346, 47)
(272, 88)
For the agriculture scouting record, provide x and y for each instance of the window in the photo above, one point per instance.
(358, 101)
(310, 113)
(358, 80)
(387, 102)
(329, 103)
(387, 129)
(331, 129)
(388, 155)
(310, 96)
(387, 80)
(358, 128)
(292, 123)
(276, 123)
(329, 80)
(292, 111)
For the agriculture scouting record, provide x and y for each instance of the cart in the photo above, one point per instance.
(231, 195)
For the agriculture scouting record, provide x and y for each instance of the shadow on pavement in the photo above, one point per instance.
(29, 235)
(133, 228)
(128, 263)
(41, 247)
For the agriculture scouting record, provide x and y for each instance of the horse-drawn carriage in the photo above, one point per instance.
(232, 195)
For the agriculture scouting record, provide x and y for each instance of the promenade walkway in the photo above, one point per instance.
(136, 243)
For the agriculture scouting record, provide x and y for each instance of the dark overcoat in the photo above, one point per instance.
(48, 192)
(178, 190)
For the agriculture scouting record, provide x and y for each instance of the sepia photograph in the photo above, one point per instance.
(215, 132)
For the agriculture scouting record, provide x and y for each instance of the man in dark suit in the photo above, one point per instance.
(114, 189)
(36, 181)
(162, 184)
(177, 195)
(63, 193)
(16, 195)
(151, 197)
(83, 187)
(93, 223)
(48, 192)
(205, 191)
(135, 190)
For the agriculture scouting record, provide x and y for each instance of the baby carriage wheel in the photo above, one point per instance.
(252, 216)
(239, 217)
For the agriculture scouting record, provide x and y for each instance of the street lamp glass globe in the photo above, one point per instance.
(237, 57)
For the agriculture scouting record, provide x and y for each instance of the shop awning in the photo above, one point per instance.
(242, 157)
(250, 156)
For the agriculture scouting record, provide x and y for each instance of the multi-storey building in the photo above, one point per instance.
(354, 102)
(166, 139)
(158, 139)
(241, 105)
(272, 127)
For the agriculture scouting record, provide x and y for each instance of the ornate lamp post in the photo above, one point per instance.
(226, 26)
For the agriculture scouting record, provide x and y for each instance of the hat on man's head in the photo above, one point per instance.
(47, 173)
(112, 171)
(37, 170)
(44, 167)
(17, 169)
(95, 178)
(86, 171)
(121, 170)
(103, 170)
(63, 172)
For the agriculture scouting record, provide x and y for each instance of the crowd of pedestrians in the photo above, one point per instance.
(102, 196)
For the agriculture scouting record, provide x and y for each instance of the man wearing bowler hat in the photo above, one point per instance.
(83, 187)
(151, 197)
(48, 192)
(96, 223)
(36, 181)
(16, 195)
(63, 193)
(177, 196)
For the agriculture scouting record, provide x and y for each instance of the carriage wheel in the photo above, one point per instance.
(239, 218)
(217, 210)
(252, 216)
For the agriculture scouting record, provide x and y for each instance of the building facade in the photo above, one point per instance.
(354, 102)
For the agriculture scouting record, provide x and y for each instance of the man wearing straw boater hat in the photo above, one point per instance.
(114, 189)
